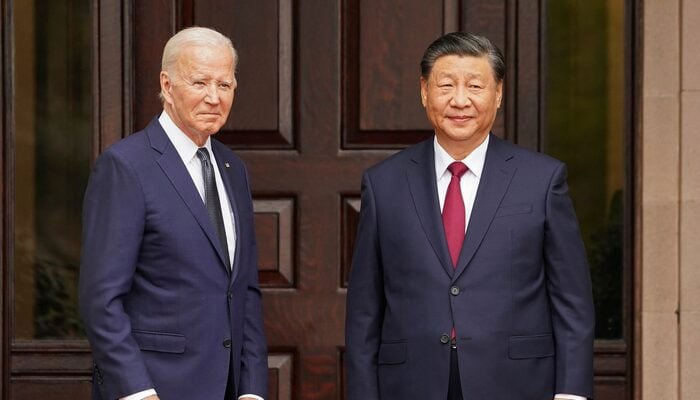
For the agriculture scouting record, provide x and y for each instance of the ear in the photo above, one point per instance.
(166, 86)
(423, 91)
(499, 94)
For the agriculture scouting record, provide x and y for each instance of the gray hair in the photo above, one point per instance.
(193, 36)
(464, 44)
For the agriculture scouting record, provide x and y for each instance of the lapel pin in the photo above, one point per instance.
(226, 164)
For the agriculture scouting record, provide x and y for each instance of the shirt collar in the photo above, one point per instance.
(184, 146)
(474, 161)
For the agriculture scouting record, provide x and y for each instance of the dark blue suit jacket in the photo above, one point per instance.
(161, 308)
(520, 297)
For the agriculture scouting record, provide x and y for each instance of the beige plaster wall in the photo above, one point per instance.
(670, 201)
(690, 201)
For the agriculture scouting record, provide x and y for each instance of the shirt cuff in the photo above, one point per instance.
(559, 396)
(256, 397)
(140, 395)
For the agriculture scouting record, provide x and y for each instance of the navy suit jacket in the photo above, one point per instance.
(161, 308)
(520, 296)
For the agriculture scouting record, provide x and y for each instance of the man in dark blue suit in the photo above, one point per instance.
(469, 278)
(169, 279)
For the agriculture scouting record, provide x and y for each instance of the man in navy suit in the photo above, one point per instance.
(169, 279)
(469, 278)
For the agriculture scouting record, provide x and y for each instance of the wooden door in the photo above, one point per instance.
(326, 89)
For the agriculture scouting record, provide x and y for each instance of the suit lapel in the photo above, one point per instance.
(227, 176)
(423, 186)
(495, 179)
(171, 164)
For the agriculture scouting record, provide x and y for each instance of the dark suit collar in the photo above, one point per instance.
(235, 197)
(494, 182)
(156, 136)
(423, 186)
(173, 167)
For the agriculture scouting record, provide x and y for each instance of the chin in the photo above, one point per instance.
(211, 129)
(462, 137)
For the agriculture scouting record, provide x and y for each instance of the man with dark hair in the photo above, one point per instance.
(469, 277)
(169, 271)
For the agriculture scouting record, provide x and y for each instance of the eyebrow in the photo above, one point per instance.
(205, 77)
(453, 76)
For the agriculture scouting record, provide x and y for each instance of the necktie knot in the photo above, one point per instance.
(457, 169)
(203, 154)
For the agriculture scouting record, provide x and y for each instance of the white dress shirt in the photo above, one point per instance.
(469, 185)
(187, 150)
(469, 182)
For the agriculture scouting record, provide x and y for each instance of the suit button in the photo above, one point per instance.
(454, 290)
(227, 343)
(229, 295)
(444, 339)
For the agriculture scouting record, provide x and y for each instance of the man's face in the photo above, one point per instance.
(199, 91)
(461, 98)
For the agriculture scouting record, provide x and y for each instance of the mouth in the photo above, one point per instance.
(209, 115)
(460, 118)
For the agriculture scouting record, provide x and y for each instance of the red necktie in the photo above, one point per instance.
(453, 212)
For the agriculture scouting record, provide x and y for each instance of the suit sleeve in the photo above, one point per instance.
(569, 288)
(253, 378)
(113, 224)
(365, 304)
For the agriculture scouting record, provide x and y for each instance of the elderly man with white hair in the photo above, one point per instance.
(169, 277)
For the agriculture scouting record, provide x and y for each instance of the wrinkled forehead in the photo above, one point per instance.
(213, 60)
(462, 66)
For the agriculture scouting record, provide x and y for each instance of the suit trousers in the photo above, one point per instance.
(454, 389)
(229, 392)
(230, 386)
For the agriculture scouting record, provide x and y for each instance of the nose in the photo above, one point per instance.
(461, 98)
(212, 94)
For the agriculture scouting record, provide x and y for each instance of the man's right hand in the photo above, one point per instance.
(152, 397)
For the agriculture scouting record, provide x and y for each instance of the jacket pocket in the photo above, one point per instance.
(513, 210)
(532, 346)
(391, 353)
(159, 341)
